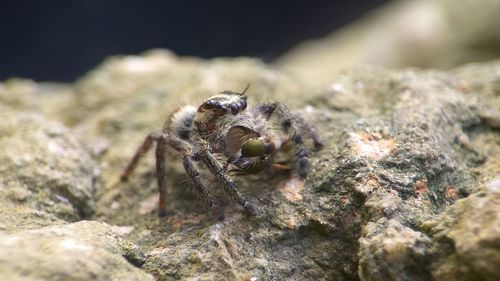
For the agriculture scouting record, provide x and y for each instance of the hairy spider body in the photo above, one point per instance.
(227, 138)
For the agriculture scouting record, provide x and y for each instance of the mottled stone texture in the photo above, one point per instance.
(466, 238)
(406, 187)
(79, 251)
(47, 176)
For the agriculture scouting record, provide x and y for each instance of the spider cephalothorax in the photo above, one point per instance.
(228, 138)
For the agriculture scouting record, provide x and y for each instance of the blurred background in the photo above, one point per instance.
(61, 40)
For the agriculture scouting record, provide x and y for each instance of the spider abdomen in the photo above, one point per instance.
(180, 122)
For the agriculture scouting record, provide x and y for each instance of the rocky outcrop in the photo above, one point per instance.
(47, 175)
(405, 188)
(83, 250)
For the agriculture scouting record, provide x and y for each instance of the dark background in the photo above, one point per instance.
(60, 40)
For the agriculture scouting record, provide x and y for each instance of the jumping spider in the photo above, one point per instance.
(223, 129)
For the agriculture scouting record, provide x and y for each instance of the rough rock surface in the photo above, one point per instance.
(400, 190)
(47, 175)
(405, 188)
(466, 238)
(79, 251)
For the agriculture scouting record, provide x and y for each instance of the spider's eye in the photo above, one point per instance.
(243, 104)
(234, 109)
(253, 148)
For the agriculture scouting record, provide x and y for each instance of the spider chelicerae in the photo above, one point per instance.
(229, 139)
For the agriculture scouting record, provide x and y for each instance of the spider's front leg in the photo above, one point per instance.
(201, 186)
(189, 166)
(227, 183)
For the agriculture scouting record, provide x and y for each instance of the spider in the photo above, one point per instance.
(228, 138)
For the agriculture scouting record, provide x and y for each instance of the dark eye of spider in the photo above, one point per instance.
(243, 104)
(234, 108)
(253, 148)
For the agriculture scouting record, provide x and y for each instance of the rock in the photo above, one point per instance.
(409, 157)
(466, 238)
(400, 147)
(422, 33)
(407, 154)
(79, 251)
(169, 79)
(392, 251)
(47, 176)
(53, 100)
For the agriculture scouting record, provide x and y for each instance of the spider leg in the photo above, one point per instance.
(161, 173)
(295, 127)
(302, 155)
(313, 134)
(227, 183)
(289, 121)
(201, 186)
(143, 149)
(189, 166)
